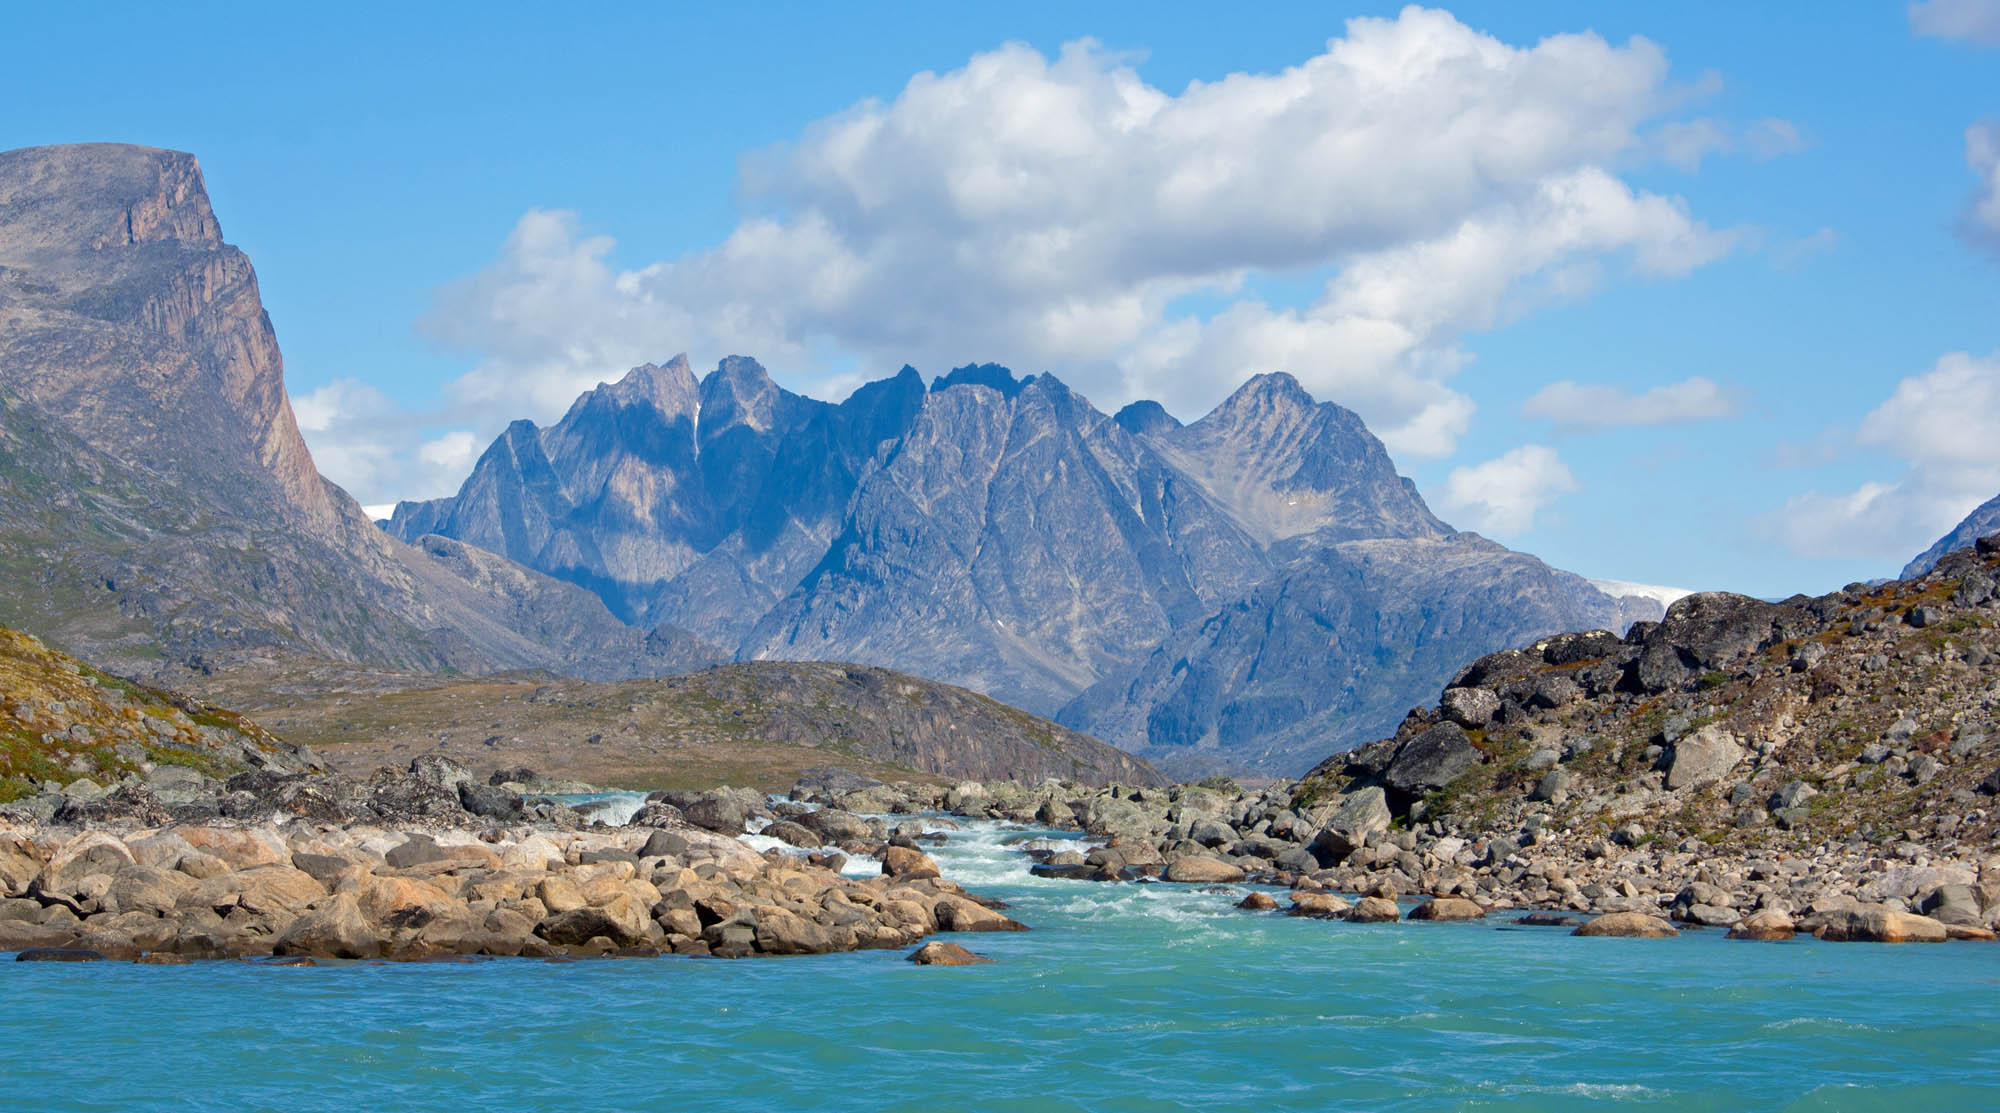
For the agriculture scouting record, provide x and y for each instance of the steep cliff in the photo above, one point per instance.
(160, 510)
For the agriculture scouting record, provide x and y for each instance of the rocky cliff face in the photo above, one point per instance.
(1225, 594)
(161, 510)
(1982, 522)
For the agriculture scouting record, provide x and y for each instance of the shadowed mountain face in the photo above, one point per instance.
(1229, 594)
(159, 507)
(1984, 521)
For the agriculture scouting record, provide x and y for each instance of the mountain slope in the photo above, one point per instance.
(1002, 533)
(1982, 522)
(161, 510)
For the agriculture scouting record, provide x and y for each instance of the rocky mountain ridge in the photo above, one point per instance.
(1983, 521)
(1002, 533)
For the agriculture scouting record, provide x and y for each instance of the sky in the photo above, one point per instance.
(1700, 294)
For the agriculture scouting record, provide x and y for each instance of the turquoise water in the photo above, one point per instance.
(1122, 998)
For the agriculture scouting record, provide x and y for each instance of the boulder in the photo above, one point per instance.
(1704, 757)
(491, 801)
(1318, 906)
(336, 928)
(1472, 708)
(793, 834)
(1764, 925)
(1448, 908)
(1431, 760)
(1877, 924)
(907, 864)
(1628, 925)
(1202, 869)
(1373, 910)
(150, 889)
(1258, 902)
(959, 914)
(1360, 814)
(720, 812)
(834, 826)
(937, 952)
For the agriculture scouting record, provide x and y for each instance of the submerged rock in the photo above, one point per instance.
(1628, 925)
(937, 952)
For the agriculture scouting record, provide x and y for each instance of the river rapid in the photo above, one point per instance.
(1122, 997)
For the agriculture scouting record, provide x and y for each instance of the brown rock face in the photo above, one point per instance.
(1881, 925)
(939, 953)
(1628, 925)
(1448, 908)
(1373, 910)
(1201, 869)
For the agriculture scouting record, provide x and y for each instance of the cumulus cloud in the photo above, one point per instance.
(1502, 496)
(1980, 223)
(361, 440)
(1976, 21)
(1058, 213)
(1591, 406)
(1942, 425)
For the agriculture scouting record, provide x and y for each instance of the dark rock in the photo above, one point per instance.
(1431, 760)
(490, 801)
(57, 954)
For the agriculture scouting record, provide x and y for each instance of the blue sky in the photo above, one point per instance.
(1755, 245)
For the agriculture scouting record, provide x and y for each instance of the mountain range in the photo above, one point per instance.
(1241, 592)
(1984, 521)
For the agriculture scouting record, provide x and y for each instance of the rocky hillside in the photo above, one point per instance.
(1002, 533)
(65, 725)
(1867, 718)
(759, 723)
(162, 511)
(1983, 521)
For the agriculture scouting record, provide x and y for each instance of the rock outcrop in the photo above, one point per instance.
(1984, 521)
(163, 513)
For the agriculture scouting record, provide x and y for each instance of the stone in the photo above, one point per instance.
(1360, 815)
(907, 864)
(1765, 925)
(579, 926)
(1202, 869)
(1431, 760)
(1544, 758)
(138, 888)
(1702, 758)
(1472, 708)
(719, 813)
(960, 914)
(937, 952)
(1877, 924)
(1258, 902)
(1319, 906)
(1627, 925)
(1553, 786)
(1373, 910)
(792, 834)
(416, 850)
(491, 801)
(1448, 908)
(337, 928)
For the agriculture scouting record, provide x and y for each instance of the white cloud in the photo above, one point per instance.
(1975, 21)
(1502, 496)
(1579, 406)
(361, 440)
(1943, 425)
(1981, 219)
(1685, 143)
(1052, 213)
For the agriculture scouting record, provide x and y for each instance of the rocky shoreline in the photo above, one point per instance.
(290, 875)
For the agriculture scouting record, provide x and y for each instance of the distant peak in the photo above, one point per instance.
(1146, 419)
(91, 196)
(1272, 387)
(668, 387)
(982, 374)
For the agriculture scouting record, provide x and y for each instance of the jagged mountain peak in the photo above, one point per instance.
(1146, 419)
(668, 387)
(1288, 465)
(990, 375)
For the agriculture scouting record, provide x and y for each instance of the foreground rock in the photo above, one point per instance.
(1628, 925)
(939, 953)
(456, 884)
